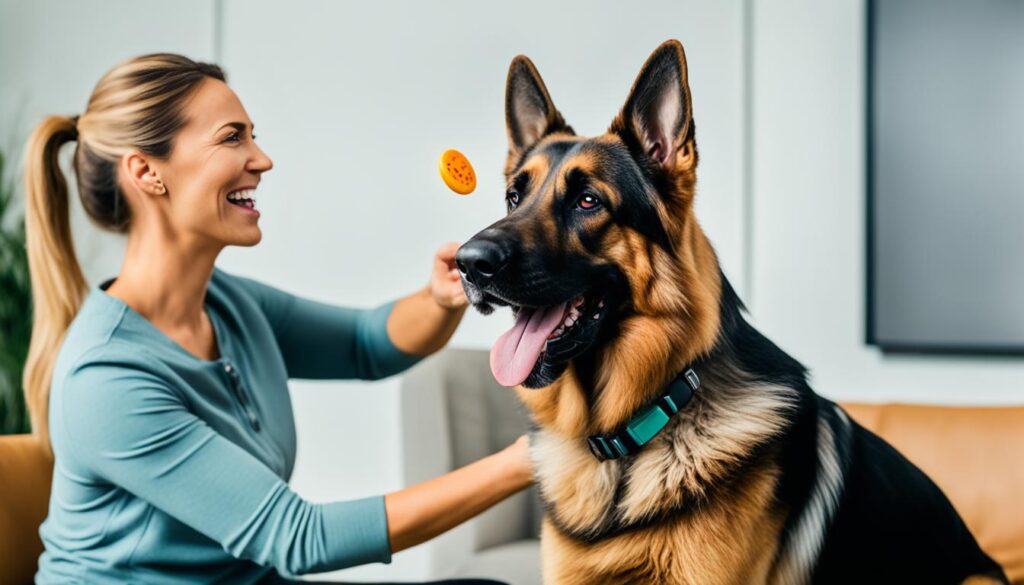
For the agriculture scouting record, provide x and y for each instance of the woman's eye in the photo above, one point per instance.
(233, 137)
(512, 199)
(588, 202)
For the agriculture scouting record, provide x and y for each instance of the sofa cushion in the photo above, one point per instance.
(976, 455)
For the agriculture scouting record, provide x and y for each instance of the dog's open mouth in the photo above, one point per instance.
(539, 331)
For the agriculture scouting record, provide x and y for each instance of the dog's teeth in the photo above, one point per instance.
(597, 316)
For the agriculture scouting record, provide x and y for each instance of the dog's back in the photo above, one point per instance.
(891, 522)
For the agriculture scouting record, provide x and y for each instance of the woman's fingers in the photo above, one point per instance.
(445, 283)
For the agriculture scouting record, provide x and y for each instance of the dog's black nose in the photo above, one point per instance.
(479, 260)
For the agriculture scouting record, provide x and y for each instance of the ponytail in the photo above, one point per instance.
(58, 286)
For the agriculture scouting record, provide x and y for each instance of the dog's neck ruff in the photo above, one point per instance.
(646, 424)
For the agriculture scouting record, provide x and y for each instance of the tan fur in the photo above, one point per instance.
(732, 541)
(679, 464)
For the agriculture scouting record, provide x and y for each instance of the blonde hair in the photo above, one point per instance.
(136, 106)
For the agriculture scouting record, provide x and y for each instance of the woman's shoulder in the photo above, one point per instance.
(93, 334)
(100, 378)
(245, 294)
(106, 338)
(232, 287)
(222, 280)
(106, 362)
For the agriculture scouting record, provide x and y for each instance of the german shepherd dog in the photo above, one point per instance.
(673, 443)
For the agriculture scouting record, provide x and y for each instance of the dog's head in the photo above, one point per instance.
(592, 223)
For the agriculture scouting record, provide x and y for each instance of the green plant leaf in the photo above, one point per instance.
(15, 309)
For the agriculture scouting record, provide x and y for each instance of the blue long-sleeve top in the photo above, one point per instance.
(174, 469)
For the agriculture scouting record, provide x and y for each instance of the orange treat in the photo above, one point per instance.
(456, 172)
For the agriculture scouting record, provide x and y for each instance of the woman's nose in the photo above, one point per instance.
(261, 163)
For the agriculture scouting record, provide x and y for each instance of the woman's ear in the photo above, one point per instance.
(141, 174)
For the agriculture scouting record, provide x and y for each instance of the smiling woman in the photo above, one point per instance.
(212, 156)
(164, 391)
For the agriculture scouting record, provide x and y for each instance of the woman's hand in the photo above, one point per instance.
(445, 284)
(424, 321)
(518, 455)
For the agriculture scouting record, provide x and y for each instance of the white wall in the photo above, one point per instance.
(808, 215)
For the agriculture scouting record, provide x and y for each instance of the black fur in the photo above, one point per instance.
(892, 523)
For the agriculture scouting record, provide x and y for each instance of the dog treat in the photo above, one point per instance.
(456, 172)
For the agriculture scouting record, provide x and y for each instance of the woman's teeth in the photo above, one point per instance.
(243, 198)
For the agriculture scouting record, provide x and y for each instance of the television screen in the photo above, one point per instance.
(945, 213)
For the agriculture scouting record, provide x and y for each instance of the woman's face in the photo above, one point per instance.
(213, 170)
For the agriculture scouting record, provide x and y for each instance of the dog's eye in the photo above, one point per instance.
(588, 202)
(512, 199)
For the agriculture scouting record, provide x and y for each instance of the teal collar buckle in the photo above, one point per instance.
(648, 422)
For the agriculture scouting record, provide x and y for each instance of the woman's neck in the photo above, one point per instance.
(165, 280)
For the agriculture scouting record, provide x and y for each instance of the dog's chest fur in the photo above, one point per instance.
(672, 513)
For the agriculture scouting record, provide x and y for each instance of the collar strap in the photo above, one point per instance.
(648, 422)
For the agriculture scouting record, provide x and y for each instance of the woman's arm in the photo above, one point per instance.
(324, 341)
(126, 426)
(421, 512)
(424, 321)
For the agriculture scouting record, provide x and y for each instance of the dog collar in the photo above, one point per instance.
(648, 422)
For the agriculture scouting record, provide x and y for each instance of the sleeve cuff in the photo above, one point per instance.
(357, 532)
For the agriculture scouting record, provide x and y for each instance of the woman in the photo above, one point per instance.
(163, 391)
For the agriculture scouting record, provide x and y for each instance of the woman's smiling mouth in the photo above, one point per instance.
(244, 199)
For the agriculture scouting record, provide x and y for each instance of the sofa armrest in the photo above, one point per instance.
(26, 471)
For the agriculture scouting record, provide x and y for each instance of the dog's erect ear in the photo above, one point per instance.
(657, 116)
(529, 112)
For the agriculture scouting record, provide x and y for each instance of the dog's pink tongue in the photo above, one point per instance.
(516, 351)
